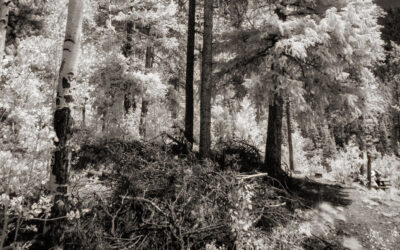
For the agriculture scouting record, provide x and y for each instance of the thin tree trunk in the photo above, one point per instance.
(128, 99)
(189, 72)
(83, 125)
(206, 77)
(369, 170)
(289, 130)
(272, 163)
(62, 116)
(396, 124)
(4, 10)
(145, 102)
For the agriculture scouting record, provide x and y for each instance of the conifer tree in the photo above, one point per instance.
(289, 131)
(206, 81)
(190, 72)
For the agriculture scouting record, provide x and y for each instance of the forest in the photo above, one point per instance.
(199, 124)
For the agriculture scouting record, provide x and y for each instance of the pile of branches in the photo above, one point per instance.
(238, 155)
(159, 201)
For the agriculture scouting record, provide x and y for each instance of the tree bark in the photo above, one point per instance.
(369, 179)
(127, 50)
(4, 10)
(272, 163)
(206, 84)
(289, 130)
(145, 102)
(62, 117)
(189, 72)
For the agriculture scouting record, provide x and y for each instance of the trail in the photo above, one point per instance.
(371, 219)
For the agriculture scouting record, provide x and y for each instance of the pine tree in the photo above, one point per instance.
(206, 81)
(189, 111)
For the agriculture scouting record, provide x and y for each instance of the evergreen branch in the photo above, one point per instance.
(238, 63)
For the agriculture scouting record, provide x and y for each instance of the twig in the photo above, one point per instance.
(50, 219)
(245, 177)
(277, 205)
(151, 203)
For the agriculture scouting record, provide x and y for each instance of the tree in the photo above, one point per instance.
(272, 161)
(129, 101)
(62, 114)
(206, 81)
(289, 131)
(145, 102)
(307, 51)
(4, 10)
(189, 72)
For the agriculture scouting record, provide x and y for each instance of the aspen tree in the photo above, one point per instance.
(62, 114)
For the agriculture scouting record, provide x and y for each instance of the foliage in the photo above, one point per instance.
(134, 191)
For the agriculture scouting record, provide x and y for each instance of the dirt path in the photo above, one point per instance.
(351, 216)
(372, 220)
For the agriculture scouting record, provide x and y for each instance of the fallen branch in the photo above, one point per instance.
(245, 177)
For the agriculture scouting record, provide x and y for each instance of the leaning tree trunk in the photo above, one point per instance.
(62, 117)
(289, 130)
(206, 77)
(145, 101)
(189, 72)
(272, 163)
(4, 9)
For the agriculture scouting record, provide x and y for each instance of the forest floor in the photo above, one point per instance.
(355, 217)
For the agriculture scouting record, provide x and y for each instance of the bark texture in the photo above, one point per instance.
(127, 50)
(289, 130)
(4, 10)
(189, 72)
(206, 84)
(272, 163)
(62, 117)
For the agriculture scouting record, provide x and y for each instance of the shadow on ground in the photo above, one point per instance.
(313, 193)
(307, 194)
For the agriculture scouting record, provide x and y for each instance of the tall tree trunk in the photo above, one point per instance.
(145, 102)
(62, 116)
(127, 50)
(272, 163)
(206, 84)
(289, 130)
(189, 72)
(4, 10)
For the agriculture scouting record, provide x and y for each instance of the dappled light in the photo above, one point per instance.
(199, 124)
